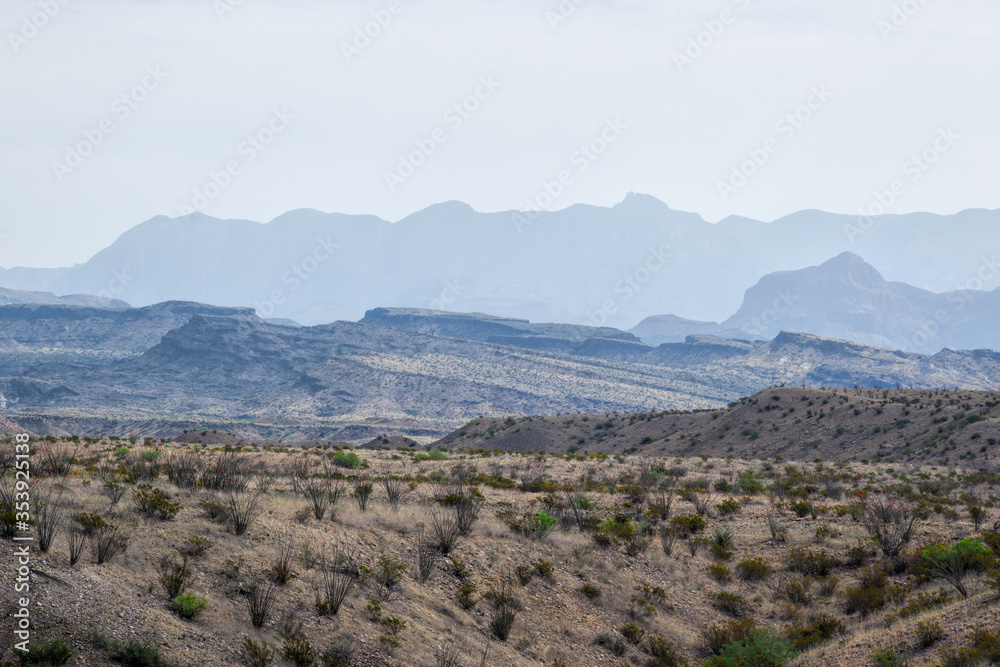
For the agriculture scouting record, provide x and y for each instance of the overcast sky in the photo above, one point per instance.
(183, 84)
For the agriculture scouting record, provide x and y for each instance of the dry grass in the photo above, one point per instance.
(557, 621)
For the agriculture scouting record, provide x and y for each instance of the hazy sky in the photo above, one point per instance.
(305, 111)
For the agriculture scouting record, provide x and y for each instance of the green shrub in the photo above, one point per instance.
(188, 605)
(154, 503)
(728, 506)
(537, 524)
(688, 524)
(802, 509)
(433, 455)
(299, 651)
(663, 653)
(733, 604)
(524, 574)
(54, 653)
(631, 632)
(753, 569)
(971, 554)
(928, 633)
(887, 657)
(174, 575)
(719, 572)
(90, 523)
(719, 635)
(196, 545)
(347, 460)
(760, 648)
(797, 589)
(254, 654)
(213, 509)
(466, 593)
(872, 593)
(590, 591)
(818, 629)
(986, 643)
(544, 569)
(807, 561)
(922, 602)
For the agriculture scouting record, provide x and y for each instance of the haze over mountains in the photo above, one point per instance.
(582, 265)
(847, 298)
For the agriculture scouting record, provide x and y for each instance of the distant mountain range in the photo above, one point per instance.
(846, 298)
(170, 366)
(9, 297)
(583, 265)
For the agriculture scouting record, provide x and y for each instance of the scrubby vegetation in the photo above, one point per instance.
(255, 557)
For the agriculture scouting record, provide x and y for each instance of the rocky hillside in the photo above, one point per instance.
(178, 366)
(942, 427)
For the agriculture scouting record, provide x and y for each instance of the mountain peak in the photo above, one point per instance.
(851, 267)
(637, 201)
(448, 210)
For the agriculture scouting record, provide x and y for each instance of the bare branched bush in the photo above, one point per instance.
(445, 529)
(506, 605)
(468, 502)
(890, 522)
(115, 481)
(182, 469)
(668, 537)
(951, 566)
(264, 475)
(427, 554)
(395, 488)
(109, 541)
(243, 509)
(76, 540)
(174, 575)
(362, 494)
(577, 504)
(340, 575)
(226, 472)
(261, 597)
(284, 558)
(297, 470)
(56, 461)
(47, 510)
(317, 492)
